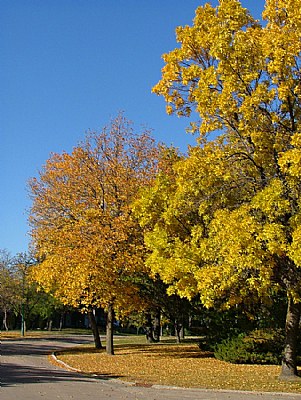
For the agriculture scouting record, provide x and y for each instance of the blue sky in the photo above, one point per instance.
(69, 66)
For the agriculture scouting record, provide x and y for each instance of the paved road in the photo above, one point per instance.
(26, 374)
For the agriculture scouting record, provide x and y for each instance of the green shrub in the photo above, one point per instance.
(258, 347)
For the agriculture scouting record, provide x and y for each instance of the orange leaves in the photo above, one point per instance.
(82, 226)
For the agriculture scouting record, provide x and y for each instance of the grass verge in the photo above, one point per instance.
(36, 334)
(183, 365)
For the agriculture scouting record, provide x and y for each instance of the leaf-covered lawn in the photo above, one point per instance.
(180, 365)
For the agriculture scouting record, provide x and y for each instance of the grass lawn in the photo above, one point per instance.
(44, 333)
(168, 363)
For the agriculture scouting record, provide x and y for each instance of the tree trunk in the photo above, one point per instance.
(61, 321)
(49, 325)
(178, 328)
(289, 361)
(157, 327)
(110, 330)
(182, 332)
(5, 319)
(149, 330)
(23, 324)
(94, 328)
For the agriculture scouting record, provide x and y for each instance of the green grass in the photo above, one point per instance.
(42, 333)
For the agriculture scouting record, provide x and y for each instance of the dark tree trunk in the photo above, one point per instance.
(94, 328)
(178, 328)
(289, 361)
(49, 325)
(149, 329)
(61, 321)
(110, 330)
(182, 332)
(157, 325)
(5, 319)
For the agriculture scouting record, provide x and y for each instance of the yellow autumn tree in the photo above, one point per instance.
(83, 232)
(242, 80)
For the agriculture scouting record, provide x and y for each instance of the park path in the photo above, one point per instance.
(26, 374)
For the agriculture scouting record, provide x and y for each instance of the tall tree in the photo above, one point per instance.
(243, 81)
(30, 300)
(9, 288)
(82, 226)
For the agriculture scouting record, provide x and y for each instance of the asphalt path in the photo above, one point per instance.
(26, 374)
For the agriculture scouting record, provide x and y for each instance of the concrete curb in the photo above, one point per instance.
(284, 394)
(63, 364)
(68, 367)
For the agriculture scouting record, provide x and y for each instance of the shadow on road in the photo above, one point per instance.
(38, 347)
(16, 374)
(24, 361)
(19, 375)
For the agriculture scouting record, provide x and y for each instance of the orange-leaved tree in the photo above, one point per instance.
(88, 243)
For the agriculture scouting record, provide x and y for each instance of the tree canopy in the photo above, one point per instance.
(222, 223)
(86, 240)
(236, 197)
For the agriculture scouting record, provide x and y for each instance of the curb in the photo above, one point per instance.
(284, 394)
(63, 364)
(69, 368)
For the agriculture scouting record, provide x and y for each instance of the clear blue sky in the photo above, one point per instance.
(68, 66)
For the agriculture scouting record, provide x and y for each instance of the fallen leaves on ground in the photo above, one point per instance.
(182, 365)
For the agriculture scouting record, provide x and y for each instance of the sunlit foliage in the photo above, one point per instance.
(87, 242)
(230, 225)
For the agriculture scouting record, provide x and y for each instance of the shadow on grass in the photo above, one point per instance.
(167, 351)
(79, 350)
(163, 350)
(105, 377)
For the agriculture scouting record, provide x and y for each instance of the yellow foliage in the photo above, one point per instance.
(227, 226)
